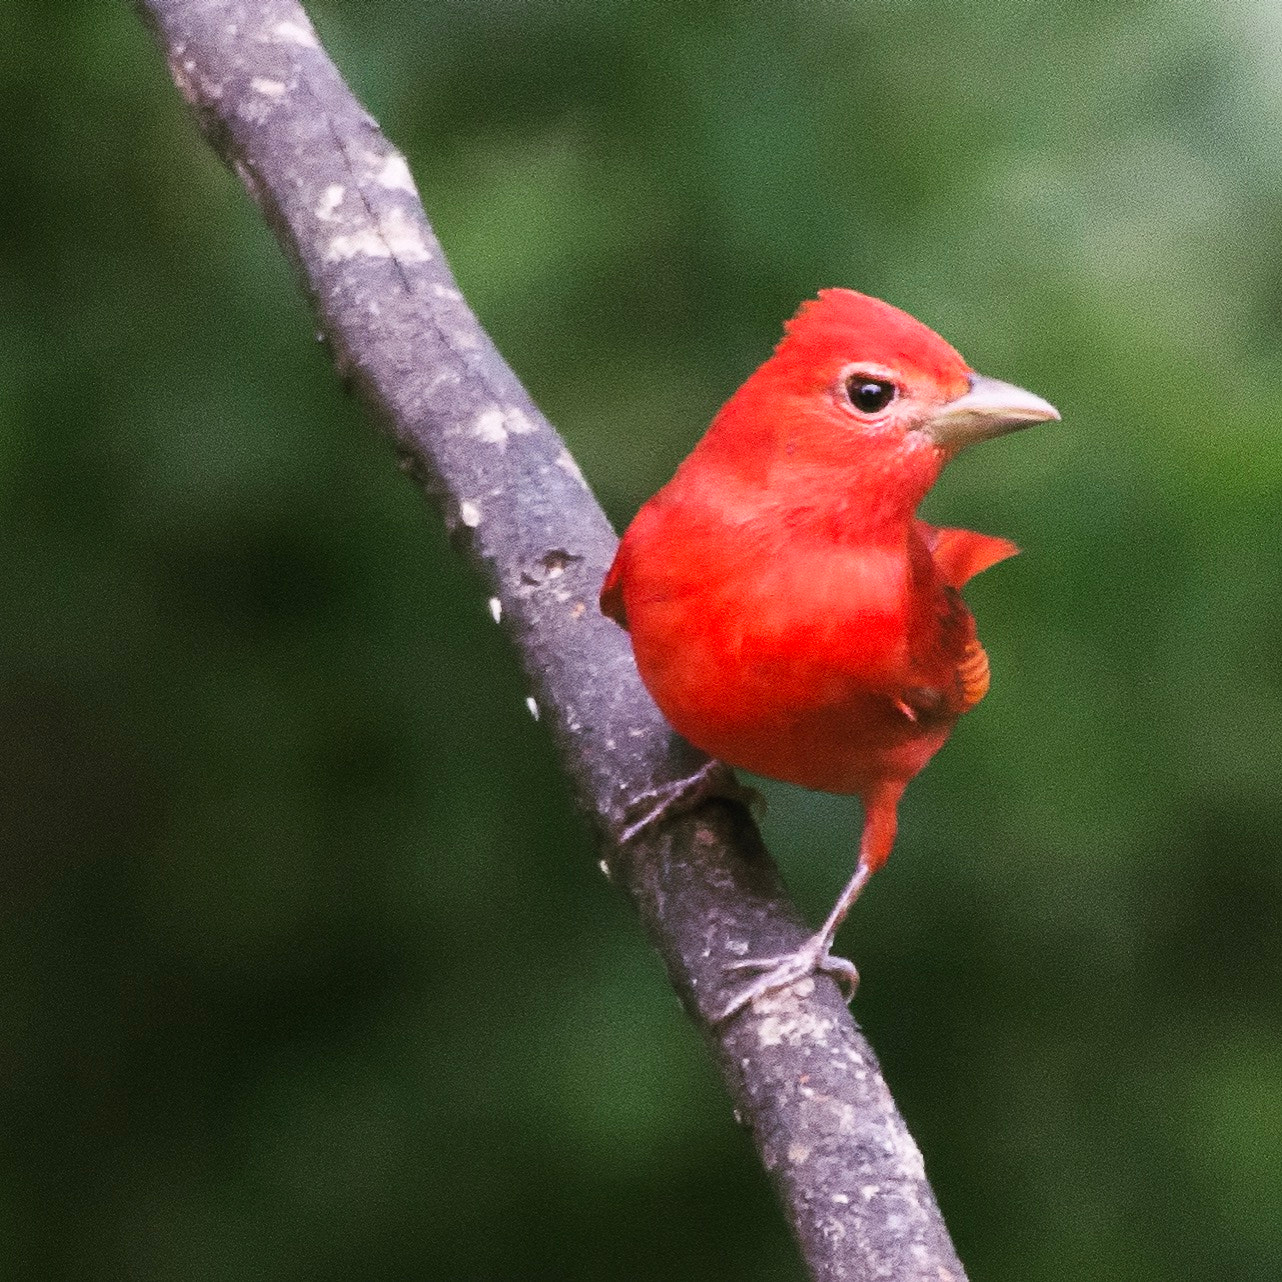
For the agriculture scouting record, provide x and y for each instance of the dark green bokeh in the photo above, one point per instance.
(305, 969)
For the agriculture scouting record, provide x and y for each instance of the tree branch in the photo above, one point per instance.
(341, 202)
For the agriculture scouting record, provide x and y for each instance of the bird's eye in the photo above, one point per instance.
(870, 395)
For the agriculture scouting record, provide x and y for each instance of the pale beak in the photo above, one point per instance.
(991, 408)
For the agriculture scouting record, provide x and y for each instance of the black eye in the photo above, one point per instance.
(870, 395)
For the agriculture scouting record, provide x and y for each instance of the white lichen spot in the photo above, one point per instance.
(869, 1191)
(394, 237)
(182, 74)
(394, 174)
(330, 200)
(494, 426)
(737, 946)
(841, 1199)
(246, 176)
(798, 1153)
(469, 514)
(532, 704)
(517, 422)
(444, 291)
(404, 238)
(255, 110)
(496, 609)
(289, 32)
(565, 461)
(489, 427)
(787, 1021)
(190, 83)
(848, 1119)
(605, 869)
(367, 241)
(269, 88)
(907, 1153)
(833, 1230)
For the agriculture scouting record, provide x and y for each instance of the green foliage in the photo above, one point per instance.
(307, 969)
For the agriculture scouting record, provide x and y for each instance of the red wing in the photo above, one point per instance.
(962, 554)
(612, 592)
(954, 658)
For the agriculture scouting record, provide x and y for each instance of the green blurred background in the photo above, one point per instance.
(306, 971)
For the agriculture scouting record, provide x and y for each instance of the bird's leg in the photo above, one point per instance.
(880, 822)
(814, 955)
(712, 779)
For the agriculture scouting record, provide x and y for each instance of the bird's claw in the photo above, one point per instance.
(785, 970)
(712, 779)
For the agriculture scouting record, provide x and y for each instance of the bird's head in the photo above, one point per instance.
(857, 384)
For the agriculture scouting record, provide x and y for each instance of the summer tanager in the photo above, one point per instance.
(789, 612)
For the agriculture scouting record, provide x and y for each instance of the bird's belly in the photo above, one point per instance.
(846, 748)
(802, 718)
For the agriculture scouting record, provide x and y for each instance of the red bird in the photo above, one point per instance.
(788, 611)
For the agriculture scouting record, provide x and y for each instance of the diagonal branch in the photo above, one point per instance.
(341, 202)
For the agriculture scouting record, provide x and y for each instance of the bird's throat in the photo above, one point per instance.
(855, 505)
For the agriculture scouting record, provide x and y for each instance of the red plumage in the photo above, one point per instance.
(788, 611)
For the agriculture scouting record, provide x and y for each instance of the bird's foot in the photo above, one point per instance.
(712, 779)
(812, 956)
